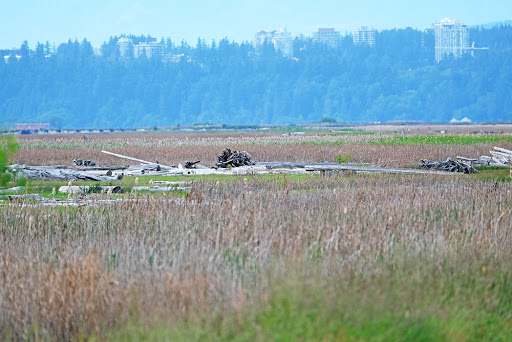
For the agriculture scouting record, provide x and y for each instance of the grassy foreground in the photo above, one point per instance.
(416, 300)
(356, 258)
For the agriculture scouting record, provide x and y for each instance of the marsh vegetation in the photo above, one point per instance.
(275, 257)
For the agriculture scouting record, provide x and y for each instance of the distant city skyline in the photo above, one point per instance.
(57, 21)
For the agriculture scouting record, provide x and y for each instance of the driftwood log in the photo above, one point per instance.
(499, 157)
(51, 173)
(35, 197)
(138, 160)
(75, 189)
(15, 190)
(160, 188)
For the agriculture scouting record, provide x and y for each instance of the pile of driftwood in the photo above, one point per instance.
(449, 165)
(84, 162)
(499, 157)
(234, 158)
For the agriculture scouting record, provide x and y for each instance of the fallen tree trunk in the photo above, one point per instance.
(501, 156)
(135, 159)
(99, 168)
(503, 150)
(371, 169)
(48, 173)
(16, 190)
(35, 197)
(75, 189)
(160, 188)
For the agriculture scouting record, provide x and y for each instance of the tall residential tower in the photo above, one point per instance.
(327, 36)
(452, 38)
(282, 40)
(364, 36)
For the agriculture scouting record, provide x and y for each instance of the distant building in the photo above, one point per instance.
(148, 48)
(30, 127)
(327, 36)
(125, 47)
(451, 37)
(282, 41)
(364, 36)
(6, 58)
(263, 36)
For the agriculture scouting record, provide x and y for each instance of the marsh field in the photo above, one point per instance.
(361, 257)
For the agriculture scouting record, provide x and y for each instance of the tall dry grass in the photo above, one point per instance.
(171, 149)
(81, 272)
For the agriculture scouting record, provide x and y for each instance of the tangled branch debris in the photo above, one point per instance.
(234, 158)
(84, 162)
(449, 165)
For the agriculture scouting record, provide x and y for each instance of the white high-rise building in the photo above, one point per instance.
(149, 48)
(282, 40)
(364, 36)
(327, 36)
(124, 46)
(263, 36)
(452, 38)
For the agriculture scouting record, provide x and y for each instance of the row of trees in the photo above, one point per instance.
(229, 82)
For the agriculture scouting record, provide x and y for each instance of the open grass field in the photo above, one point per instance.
(365, 257)
(382, 149)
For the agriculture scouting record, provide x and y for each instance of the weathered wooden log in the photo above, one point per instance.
(35, 197)
(135, 159)
(16, 190)
(172, 183)
(289, 165)
(99, 168)
(144, 168)
(48, 173)
(503, 150)
(160, 188)
(471, 160)
(74, 189)
(370, 169)
(501, 155)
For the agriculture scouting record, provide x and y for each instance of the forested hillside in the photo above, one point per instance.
(228, 82)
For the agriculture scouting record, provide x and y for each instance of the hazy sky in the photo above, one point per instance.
(97, 20)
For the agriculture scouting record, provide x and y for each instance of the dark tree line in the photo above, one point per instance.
(228, 82)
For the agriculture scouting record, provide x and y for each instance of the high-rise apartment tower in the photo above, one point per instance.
(282, 40)
(364, 36)
(327, 36)
(452, 38)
